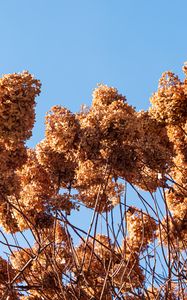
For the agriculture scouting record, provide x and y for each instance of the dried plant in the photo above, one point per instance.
(125, 169)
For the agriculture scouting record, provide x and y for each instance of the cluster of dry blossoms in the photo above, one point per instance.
(87, 159)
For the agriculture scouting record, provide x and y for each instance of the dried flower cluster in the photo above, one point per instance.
(87, 159)
(142, 229)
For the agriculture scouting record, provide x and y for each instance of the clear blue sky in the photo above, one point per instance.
(74, 44)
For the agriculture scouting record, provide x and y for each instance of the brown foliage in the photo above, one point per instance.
(89, 159)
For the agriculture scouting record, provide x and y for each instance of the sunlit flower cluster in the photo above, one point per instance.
(100, 257)
(17, 102)
(169, 104)
(61, 129)
(141, 228)
(40, 269)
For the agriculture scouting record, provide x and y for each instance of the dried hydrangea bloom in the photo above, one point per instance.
(147, 179)
(10, 160)
(97, 256)
(154, 147)
(17, 102)
(62, 129)
(178, 137)
(93, 292)
(90, 173)
(136, 156)
(36, 188)
(141, 229)
(161, 293)
(11, 294)
(93, 258)
(179, 175)
(169, 103)
(7, 273)
(100, 199)
(72, 291)
(89, 136)
(177, 203)
(8, 219)
(127, 273)
(174, 229)
(9, 185)
(96, 187)
(9, 191)
(117, 132)
(107, 117)
(20, 258)
(35, 183)
(153, 293)
(118, 129)
(104, 95)
(127, 145)
(60, 166)
(12, 157)
(50, 285)
(45, 264)
(103, 247)
(63, 202)
(55, 233)
(117, 121)
(100, 249)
